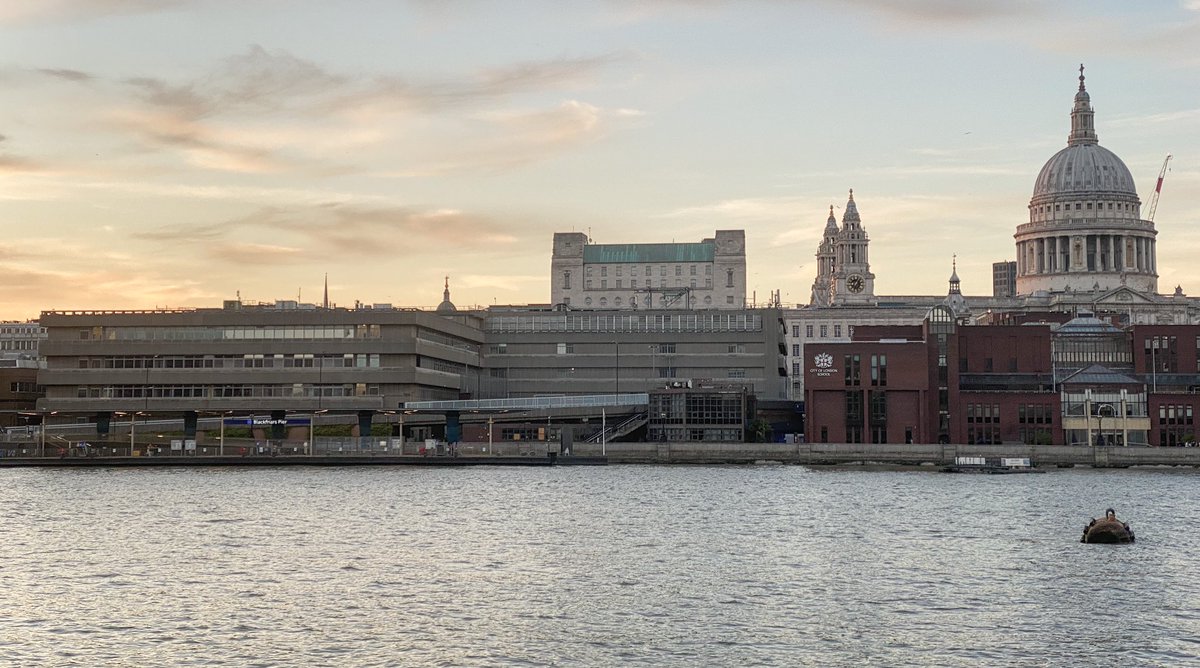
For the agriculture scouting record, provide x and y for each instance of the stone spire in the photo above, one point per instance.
(325, 303)
(955, 286)
(831, 225)
(1083, 127)
(851, 215)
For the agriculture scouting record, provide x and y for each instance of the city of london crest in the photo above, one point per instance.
(823, 361)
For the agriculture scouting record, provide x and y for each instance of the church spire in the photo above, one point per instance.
(955, 285)
(851, 214)
(1083, 126)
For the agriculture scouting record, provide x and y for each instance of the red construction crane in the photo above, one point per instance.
(1162, 173)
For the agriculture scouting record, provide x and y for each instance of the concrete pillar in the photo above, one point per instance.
(453, 427)
(103, 424)
(279, 425)
(189, 424)
(364, 423)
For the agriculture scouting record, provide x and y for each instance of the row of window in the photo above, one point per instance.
(266, 332)
(18, 344)
(648, 299)
(604, 323)
(254, 361)
(619, 284)
(1079, 206)
(1035, 414)
(649, 270)
(1175, 414)
(852, 371)
(983, 413)
(294, 390)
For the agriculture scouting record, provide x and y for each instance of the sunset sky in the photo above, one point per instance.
(174, 153)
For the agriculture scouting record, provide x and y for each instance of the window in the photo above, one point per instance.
(587, 284)
(566, 280)
(566, 348)
(633, 270)
(603, 283)
(729, 278)
(729, 299)
(795, 331)
(796, 368)
(618, 270)
(691, 270)
(795, 350)
(737, 373)
(633, 283)
(604, 271)
(620, 282)
(737, 348)
(587, 271)
(837, 330)
(679, 270)
(808, 333)
(824, 331)
(851, 370)
(879, 370)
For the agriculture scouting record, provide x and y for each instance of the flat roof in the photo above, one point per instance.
(527, 403)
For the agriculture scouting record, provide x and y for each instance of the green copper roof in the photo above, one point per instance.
(648, 253)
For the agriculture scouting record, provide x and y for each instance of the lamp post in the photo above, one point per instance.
(617, 367)
(1100, 419)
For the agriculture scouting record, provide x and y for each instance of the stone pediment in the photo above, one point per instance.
(1124, 295)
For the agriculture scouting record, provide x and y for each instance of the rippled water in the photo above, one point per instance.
(610, 566)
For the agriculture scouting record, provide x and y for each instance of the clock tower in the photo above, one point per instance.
(852, 281)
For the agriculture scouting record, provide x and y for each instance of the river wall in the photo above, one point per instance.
(830, 454)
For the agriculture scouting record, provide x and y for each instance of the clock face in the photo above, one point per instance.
(855, 283)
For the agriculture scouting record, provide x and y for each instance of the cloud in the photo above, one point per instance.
(66, 11)
(345, 230)
(12, 164)
(69, 75)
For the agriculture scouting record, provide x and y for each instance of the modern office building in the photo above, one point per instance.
(1004, 279)
(710, 274)
(255, 359)
(538, 352)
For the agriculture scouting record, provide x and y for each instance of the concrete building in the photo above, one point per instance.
(21, 338)
(538, 352)
(1004, 279)
(255, 359)
(710, 274)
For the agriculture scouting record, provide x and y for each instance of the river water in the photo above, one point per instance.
(594, 566)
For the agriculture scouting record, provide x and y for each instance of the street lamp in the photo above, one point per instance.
(42, 447)
(312, 433)
(617, 366)
(1100, 419)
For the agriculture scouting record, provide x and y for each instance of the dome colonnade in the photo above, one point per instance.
(1084, 227)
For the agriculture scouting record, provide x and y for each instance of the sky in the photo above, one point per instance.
(177, 153)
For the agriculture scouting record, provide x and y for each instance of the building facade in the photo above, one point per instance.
(710, 274)
(1085, 381)
(254, 359)
(541, 352)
